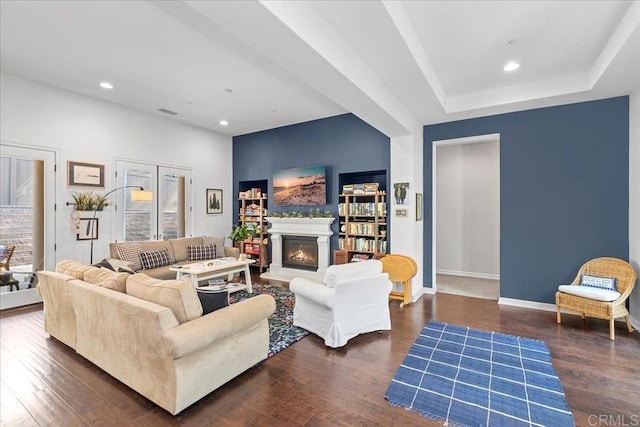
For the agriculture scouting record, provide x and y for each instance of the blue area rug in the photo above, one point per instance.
(471, 378)
(282, 333)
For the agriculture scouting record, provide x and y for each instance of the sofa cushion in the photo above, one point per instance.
(218, 242)
(107, 279)
(197, 253)
(180, 296)
(154, 259)
(130, 252)
(73, 268)
(590, 292)
(180, 246)
(344, 272)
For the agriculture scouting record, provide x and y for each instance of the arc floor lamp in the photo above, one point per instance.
(138, 195)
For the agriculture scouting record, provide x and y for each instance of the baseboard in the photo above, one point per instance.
(469, 274)
(527, 304)
(19, 298)
(635, 323)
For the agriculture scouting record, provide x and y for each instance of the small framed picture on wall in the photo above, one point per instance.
(214, 201)
(87, 229)
(80, 174)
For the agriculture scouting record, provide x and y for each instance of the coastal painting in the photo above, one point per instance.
(300, 186)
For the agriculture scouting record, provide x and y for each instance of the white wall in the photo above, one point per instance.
(468, 209)
(81, 128)
(634, 201)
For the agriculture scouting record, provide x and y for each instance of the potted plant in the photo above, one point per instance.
(88, 201)
(242, 232)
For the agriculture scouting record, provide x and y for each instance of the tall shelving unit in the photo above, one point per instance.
(253, 211)
(363, 226)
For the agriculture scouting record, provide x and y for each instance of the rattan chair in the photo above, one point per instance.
(609, 310)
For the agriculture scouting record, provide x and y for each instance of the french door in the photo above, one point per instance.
(168, 216)
(27, 204)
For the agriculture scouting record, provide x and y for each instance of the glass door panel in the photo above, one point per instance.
(135, 221)
(173, 202)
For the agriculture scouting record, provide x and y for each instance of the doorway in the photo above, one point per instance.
(27, 193)
(466, 216)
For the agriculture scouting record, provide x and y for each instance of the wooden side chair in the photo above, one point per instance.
(599, 302)
(5, 256)
(401, 269)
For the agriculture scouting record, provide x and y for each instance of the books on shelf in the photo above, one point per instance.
(362, 244)
(253, 193)
(363, 209)
(360, 189)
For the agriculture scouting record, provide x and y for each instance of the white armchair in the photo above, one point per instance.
(353, 299)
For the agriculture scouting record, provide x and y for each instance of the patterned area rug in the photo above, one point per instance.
(470, 377)
(282, 333)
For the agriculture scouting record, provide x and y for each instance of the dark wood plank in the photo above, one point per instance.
(45, 382)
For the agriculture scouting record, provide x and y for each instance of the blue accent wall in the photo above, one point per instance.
(564, 191)
(343, 144)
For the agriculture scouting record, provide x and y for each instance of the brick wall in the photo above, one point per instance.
(15, 229)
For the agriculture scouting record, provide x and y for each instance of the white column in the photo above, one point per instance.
(323, 254)
(406, 236)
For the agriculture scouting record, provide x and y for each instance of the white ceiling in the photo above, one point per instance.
(396, 64)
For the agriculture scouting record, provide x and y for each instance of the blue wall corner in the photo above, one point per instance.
(343, 144)
(564, 191)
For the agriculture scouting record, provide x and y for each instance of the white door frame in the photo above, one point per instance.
(492, 137)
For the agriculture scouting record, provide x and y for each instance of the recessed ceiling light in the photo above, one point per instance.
(106, 85)
(224, 122)
(511, 66)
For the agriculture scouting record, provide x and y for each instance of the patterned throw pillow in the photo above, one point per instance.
(197, 253)
(154, 259)
(608, 283)
(130, 252)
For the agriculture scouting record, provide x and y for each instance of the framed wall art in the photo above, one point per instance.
(80, 174)
(214, 201)
(87, 229)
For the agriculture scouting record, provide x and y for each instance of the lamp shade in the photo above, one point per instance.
(141, 196)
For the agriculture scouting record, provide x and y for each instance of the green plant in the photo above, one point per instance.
(242, 232)
(88, 201)
(312, 213)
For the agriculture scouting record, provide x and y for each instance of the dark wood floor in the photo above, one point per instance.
(44, 382)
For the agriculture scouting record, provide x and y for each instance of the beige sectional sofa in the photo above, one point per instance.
(177, 250)
(150, 334)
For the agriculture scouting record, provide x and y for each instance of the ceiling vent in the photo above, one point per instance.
(164, 110)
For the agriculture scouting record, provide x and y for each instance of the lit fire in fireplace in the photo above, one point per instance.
(301, 256)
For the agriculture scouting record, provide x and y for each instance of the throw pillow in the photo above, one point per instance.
(218, 242)
(125, 270)
(608, 283)
(154, 259)
(197, 253)
(178, 295)
(104, 264)
(130, 252)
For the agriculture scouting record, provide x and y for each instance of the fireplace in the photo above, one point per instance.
(316, 231)
(300, 252)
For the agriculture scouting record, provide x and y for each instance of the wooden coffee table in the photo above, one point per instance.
(205, 270)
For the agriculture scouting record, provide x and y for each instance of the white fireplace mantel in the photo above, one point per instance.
(315, 227)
